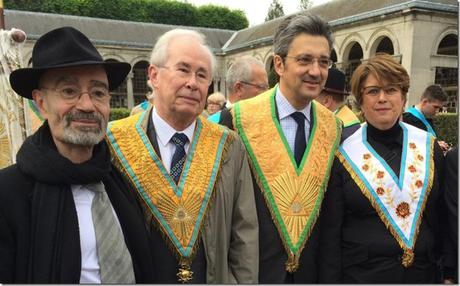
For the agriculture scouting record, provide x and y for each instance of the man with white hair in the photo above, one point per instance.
(245, 79)
(192, 176)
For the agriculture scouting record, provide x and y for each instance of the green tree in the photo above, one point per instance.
(150, 11)
(24, 5)
(171, 12)
(305, 4)
(274, 11)
(220, 17)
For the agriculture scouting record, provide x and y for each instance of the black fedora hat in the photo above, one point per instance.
(59, 48)
(335, 82)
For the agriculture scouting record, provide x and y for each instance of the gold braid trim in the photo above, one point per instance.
(293, 196)
(185, 274)
(408, 255)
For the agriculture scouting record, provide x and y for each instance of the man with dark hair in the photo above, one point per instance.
(291, 141)
(66, 214)
(245, 78)
(421, 115)
(333, 97)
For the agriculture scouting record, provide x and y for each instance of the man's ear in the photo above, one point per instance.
(237, 88)
(327, 100)
(153, 75)
(39, 99)
(278, 64)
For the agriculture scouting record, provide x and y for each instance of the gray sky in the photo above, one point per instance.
(256, 10)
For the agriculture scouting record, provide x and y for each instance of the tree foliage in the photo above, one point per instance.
(275, 10)
(221, 17)
(149, 11)
(305, 4)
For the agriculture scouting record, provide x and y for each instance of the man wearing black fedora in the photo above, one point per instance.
(66, 214)
(333, 97)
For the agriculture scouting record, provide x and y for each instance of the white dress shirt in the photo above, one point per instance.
(83, 198)
(288, 124)
(164, 133)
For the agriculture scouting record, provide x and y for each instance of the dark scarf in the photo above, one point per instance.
(54, 234)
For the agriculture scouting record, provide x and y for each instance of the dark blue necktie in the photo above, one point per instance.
(300, 138)
(178, 159)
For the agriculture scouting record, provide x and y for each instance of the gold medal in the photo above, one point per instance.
(185, 274)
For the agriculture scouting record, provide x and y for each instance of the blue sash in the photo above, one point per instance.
(415, 112)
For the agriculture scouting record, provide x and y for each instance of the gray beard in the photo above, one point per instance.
(84, 136)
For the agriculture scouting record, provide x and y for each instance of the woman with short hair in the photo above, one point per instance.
(380, 215)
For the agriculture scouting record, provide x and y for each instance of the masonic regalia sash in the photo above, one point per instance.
(347, 116)
(179, 209)
(399, 202)
(415, 112)
(292, 194)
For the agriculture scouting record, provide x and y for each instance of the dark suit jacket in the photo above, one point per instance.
(16, 251)
(450, 190)
(348, 131)
(226, 118)
(272, 254)
(414, 121)
(356, 246)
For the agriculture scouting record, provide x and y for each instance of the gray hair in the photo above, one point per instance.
(241, 70)
(291, 26)
(159, 54)
(217, 97)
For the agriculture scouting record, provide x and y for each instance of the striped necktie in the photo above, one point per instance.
(115, 261)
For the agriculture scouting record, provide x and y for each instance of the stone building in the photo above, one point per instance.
(116, 40)
(421, 34)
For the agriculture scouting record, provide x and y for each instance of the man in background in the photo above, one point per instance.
(421, 115)
(333, 97)
(245, 78)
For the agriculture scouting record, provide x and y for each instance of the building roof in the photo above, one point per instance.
(105, 31)
(338, 12)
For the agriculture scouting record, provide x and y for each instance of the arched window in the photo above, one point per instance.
(354, 60)
(385, 46)
(140, 87)
(333, 57)
(448, 45)
(119, 96)
(447, 77)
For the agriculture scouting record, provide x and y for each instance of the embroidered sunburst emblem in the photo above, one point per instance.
(181, 214)
(296, 200)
